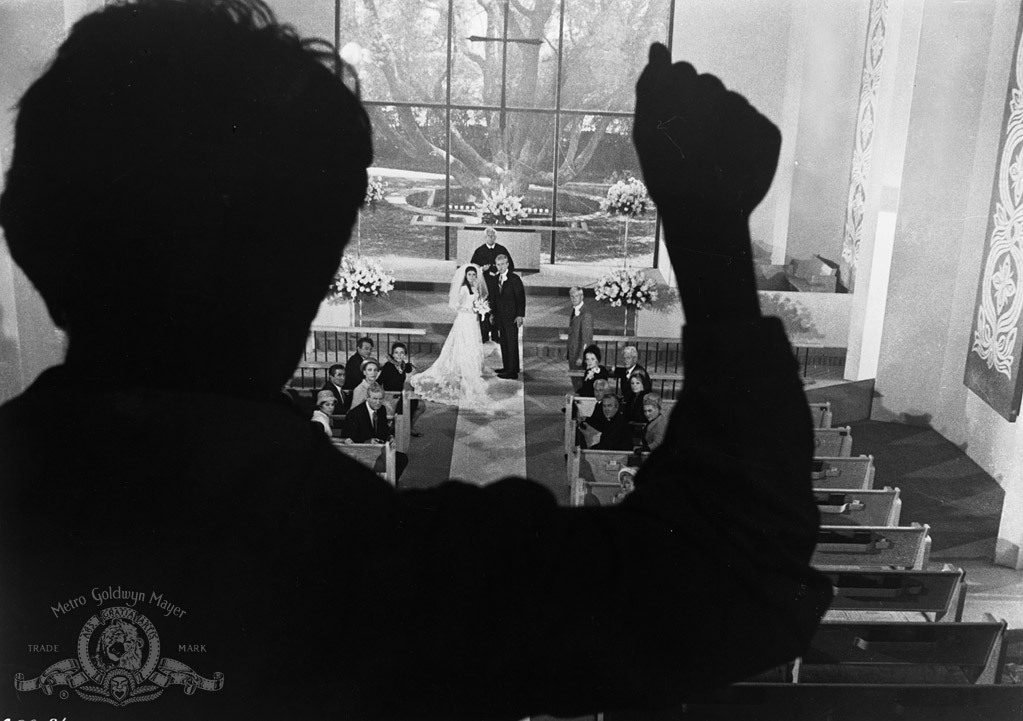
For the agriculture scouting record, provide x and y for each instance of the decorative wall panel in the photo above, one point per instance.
(996, 341)
(863, 142)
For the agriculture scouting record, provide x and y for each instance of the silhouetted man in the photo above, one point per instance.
(205, 143)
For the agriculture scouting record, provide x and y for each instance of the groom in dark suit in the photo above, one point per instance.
(485, 257)
(509, 308)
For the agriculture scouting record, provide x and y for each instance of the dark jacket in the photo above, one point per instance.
(508, 302)
(580, 334)
(353, 372)
(344, 398)
(359, 427)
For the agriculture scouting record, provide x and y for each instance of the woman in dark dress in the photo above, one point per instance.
(639, 383)
(393, 376)
(592, 370)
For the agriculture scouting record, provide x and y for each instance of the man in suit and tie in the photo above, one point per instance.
(485, 257)
(509, 309)
(353, 368)
(335, 384)
(630, 364)
(580, 328)
(367, 423)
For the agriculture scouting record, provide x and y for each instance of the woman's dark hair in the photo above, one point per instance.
(644, 377)
(465, 278)
(594, 350)
(398, 344)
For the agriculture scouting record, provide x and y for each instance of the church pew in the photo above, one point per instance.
(597, 472)
(401, 421)
(934, 595)
(839, 507)
(585, 407)
(921, 653)
(833, 442)
(820, 412)
(872, 546)
(845, 702)
(378, 457)
(853, 472)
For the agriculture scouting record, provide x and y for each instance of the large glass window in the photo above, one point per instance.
(467, 96)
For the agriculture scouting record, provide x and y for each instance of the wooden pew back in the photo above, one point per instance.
(840, 507)
(597, 473)
(853, 472)
(872, 546)
(820, 412)
(939, 593)
(942, 653)
(378, 457)
(833, 441)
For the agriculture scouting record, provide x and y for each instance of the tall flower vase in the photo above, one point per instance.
(358, 311)
(629, 314)
(625, 242)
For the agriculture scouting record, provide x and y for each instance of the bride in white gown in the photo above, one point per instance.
(458, 376)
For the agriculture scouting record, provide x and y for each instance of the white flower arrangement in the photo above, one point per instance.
(481, 307)
(626, 286)
(627, 198)
(374, 190)
(501, 208)
(359, 277)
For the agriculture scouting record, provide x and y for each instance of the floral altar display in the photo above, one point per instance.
(501, 208)
(626, 199)
(357, 278)
(626, 287)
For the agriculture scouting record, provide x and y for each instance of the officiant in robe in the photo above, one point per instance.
(485, 257)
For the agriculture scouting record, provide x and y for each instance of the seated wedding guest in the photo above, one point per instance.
(370, 370)
(639, 384)
(353, 368)
(325, 404)
(630, 364)
(656, 423)
(393, 376)
(612, 425)
(335, 384)
(207, 140)
(367, 422)
(592, 371)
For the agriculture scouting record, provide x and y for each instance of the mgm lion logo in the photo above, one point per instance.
(119, 663)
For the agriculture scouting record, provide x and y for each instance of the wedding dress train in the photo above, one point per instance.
(458, 376)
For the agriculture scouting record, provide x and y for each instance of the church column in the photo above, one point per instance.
(788, 123)
(882, 128)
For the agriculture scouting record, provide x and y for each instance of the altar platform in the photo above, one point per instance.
(420, 298)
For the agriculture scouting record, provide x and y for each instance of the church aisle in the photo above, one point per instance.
(490, 446)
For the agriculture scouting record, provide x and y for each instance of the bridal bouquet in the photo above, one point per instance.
(627, 198)
(481, 307)
(374, 190)
(626, 286)
(500, 208)
(359, 277)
